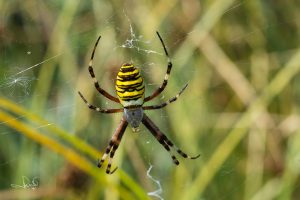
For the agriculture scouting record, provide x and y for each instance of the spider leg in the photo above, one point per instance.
(162, 139)
(165, 82)
(113, 146)
(99, 109)
(96, 83)
(179, 151)
(167, 102)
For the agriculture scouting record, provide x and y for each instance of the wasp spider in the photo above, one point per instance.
(130, 90)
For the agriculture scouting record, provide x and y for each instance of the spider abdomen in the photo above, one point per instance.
(130, 86)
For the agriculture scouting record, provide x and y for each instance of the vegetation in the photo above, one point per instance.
(240, 111)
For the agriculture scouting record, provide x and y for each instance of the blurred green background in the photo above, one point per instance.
(240, 111)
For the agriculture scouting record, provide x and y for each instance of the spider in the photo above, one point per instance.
(130, 90)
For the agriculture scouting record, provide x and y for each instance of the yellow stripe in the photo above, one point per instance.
(121, 83)
(128, 94)
(128, 73)
(118, 89)
(140, 87)
(126, 66)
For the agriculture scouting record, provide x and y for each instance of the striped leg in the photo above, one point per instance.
(113, 146)
(166, 103)
(162, 139)
(180, 152)
(165, 82)
(99, 109)
(96, 83)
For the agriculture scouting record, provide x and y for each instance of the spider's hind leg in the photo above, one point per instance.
(163, 140)
(113, 146)
(179, 151)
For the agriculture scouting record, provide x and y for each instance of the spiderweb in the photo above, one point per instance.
(17, 84)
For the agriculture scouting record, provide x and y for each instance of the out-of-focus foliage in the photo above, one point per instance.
(240, 111)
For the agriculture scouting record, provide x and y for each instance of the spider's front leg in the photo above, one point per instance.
(169, 67)
(96, 83)
(113, 146)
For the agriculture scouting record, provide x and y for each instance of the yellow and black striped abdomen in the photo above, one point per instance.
(130, 86)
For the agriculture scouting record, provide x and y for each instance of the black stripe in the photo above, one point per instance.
(129, 69)
(131, 97)
(129, 77)
(130, 90)
(131, 74)
(130, 86)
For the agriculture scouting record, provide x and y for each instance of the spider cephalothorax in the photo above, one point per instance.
(130, 90)
(134, 117)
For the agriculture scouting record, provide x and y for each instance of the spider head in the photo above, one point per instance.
(134, 117)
